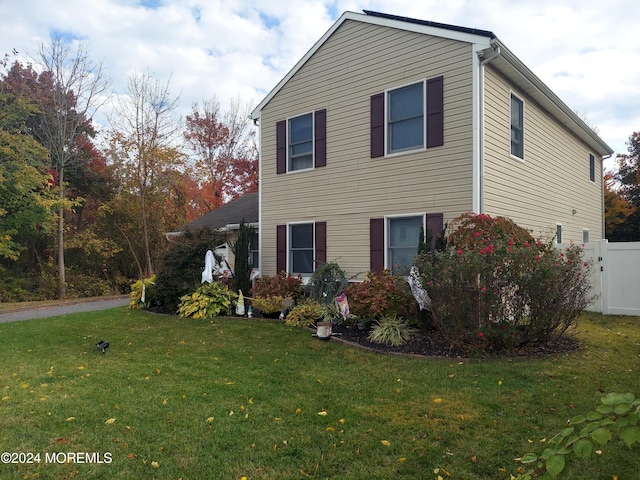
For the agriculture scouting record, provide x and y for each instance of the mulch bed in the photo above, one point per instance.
(434, 345)
(431, 345)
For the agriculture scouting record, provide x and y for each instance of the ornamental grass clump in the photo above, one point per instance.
(498, 287)
(393, 331)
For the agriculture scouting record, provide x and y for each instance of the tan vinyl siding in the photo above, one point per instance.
(553, 179)
(357, 61)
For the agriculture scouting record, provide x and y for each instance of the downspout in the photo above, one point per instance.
(483, 62)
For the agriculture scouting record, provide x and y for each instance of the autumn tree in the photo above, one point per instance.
(142, 148)
(616, 207)
(627, 181)
(26, 198)
(223, 148)
(78, 89)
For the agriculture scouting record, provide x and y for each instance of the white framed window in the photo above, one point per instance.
(403, 236)
(300, 143)
(300, 248)
(405, 127)
(558, 233)
(585, 235)
(517, 127)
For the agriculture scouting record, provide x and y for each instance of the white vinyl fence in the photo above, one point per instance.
(616, 276)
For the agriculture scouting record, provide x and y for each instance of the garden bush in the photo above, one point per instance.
(381, 295)
(143, 288)
(180, 267)
(498, 287)
(326, 283)
(282, 285)
(209, 300)
(268, 305)
(305, 314)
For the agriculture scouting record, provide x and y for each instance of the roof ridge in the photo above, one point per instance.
(429, 23)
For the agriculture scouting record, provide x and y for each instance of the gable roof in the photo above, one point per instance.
(229, 214)
(485, 43)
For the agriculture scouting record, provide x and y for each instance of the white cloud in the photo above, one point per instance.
(585, 50)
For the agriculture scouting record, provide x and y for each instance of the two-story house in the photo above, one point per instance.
(390, 123)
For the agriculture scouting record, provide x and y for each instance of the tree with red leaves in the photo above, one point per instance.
(224, 151)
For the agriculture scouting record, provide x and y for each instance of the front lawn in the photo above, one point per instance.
(232, 398)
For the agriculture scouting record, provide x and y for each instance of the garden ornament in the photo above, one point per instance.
(418, 291)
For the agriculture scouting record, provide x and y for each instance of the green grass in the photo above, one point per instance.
(230, 398)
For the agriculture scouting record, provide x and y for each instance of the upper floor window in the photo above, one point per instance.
(592, 167)
(405, 124)
(300, 142)
(407, 118)
(517, 127)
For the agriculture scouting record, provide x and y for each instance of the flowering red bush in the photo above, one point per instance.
(496, 279)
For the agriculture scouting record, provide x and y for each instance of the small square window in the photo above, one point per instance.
(517, 127)
(402, 242)
(405, 118)
(301, 248)
(300, 142)
(592, 167)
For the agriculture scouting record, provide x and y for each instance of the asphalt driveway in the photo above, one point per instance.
(85, 305)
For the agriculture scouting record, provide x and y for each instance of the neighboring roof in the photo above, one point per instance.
(232, 213)
(506, 62)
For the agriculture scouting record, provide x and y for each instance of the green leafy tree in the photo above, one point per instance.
(26, 197)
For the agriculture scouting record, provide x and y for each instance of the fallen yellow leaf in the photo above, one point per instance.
(298, 411)
(71, 419)
(474, 459)
(110, 421)
(164, 402)
(155, 464)
(251, 401)
(210, 419)
(402, 459)
(330, 429)
(386, 443)
(437, 400)
(342, 420)
(323, 413)
(499, 382)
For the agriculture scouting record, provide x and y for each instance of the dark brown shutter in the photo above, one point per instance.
(320, 240)
(376, 242)
(281, 248)
(377, 125)
(435, 224)
(281, 146)
(435, 112)
(320, 134)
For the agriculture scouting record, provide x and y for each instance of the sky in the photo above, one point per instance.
(586, 51)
